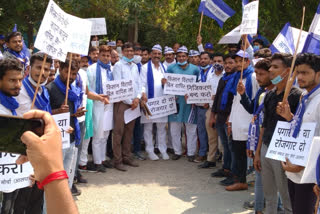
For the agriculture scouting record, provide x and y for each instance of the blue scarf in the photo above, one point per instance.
(233, 80)
(297, 118)
(22, 57)
(204, 74)
(42, 101)
(150, 79)
(74, 94)
(9, 102)
(318, 171)
(99, 88)
(139, 67)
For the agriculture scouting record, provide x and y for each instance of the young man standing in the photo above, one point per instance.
(169, 56)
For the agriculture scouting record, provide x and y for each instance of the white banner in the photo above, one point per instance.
(309, 173)
(63, 123)
(130, 115)
(162, 106)
(99, 26)
(282, 145)
(53, 35)
(13, 176)
(200, 92)
(250, 14)
(232, 37)
(177, 83)
(119, 90)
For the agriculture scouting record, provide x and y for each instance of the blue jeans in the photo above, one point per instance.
(229, 162)
(137, 135)
(258, 193)
(202, 131)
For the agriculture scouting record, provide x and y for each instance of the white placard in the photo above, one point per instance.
(232, 37)
(295, 34)
(53, 35)
(177, 83)
(199, 92)
(162, 106)
(249, 24)
(13, 176)
(309, 173)
(79, 38)
(99, 26)
(108, 117)
(63, 123)
(119, 90)
(282, 145)
(130, 115)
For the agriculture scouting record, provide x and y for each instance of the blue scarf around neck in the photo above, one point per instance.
(204, 75)
(21, 56)
(42, 101)
(9, 102)
(150, 79)
(99, 87)
(74, 94)
(233, 80)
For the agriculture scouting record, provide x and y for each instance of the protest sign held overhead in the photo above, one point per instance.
(119, 90)
(177, 83)
(283, 145)
(99, 26)
(249, 24)
(232, 37)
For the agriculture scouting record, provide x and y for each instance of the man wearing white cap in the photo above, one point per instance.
(194, 57)
(112, 44)
(169, 56)
(151, 75)
(186, 114)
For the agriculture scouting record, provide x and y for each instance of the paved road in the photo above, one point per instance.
(159, 187)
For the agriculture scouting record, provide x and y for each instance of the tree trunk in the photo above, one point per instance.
(30, 34)
(136, 28)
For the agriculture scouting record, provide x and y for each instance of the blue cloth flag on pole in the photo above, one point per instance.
(284, 42)
(216, 9)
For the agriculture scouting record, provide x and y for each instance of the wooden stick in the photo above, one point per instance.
(316, 206)
(242, 64)
(200, 23)
(39, 79)
(290, 78)
(67, 86)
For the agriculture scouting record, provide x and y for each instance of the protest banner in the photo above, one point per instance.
(53, 35)
(119, 90)
(99, 26)
(63, 123)
(295, 34)
(249, 24)
(283, 145)
(130, 114)
(232, 37)
(309, 173)
(13, 176)
(161, 106)
(200, 92)
(177, 83)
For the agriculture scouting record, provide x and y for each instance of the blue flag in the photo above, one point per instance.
(216, 9)
(284, 42)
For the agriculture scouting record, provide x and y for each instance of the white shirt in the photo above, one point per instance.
(311, 114)
(126, 70)
(158, 74)
(4, 110)
(84, 78)
(200, 48)
(214, 79)
(25, 101)
(167, 64)
(239, 117)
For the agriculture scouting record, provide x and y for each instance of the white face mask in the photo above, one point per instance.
(95, 43)
(34, 83)
(137, 59)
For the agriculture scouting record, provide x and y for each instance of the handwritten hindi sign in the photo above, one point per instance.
(200, 92)
(63, 123)
(177, 83)
(249, 23)
(119, 90)
(283, 145)
(99, 26)
(80, 33)
(53, 36)
(13, 176)
(162, 106)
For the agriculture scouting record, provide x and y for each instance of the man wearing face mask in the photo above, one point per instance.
(257, 44)
(137, 57)
(169, 56)
(186, 113)
(212, 74)
(273, 177)
(95, 41)
(122, 133)
(119, 44)
(151, 76)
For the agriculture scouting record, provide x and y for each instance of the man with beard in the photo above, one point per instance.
(114, 57)
(169, 56)
(145, 55)
(93, 54)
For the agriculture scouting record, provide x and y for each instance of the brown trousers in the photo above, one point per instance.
(122, 134)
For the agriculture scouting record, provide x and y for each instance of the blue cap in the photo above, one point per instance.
(2, 36)
(243, 54)
(208, 46)
(183, 49)
(157, 47)
(112, 44)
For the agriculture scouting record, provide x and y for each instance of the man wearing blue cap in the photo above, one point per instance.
(186, 113)
(207, 48)
(151, 75)
(240, 118)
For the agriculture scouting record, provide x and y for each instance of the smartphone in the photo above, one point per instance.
(11, 129)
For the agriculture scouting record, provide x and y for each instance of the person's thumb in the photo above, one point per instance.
(30, 139)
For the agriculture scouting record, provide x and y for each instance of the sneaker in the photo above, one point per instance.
(152, 156)
(101, 168)
(221, 173)
(207, 164)
(87, 168)
(139, 156)
(165, 156)
(249, 205)
(75, 191)
(228, 181)
(191, 158)
(199, 159)
(107, 164)
(176, 157)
